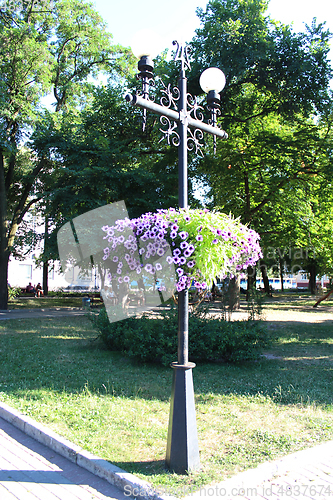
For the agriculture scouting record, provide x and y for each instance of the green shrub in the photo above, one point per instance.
(13, 292)
(155, 340)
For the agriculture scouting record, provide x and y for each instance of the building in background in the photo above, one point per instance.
(25, 270)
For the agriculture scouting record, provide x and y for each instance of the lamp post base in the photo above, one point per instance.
(182, 454)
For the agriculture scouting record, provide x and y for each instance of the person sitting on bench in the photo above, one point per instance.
(39, 290)
(30, 289)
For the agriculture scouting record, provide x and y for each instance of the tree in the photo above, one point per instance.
(42, 50)
(103, 156)
(277, 81)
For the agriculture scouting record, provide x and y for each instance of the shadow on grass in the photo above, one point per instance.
(146, 468)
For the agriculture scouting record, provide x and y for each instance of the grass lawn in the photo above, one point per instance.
(44, 302)
(55, 371)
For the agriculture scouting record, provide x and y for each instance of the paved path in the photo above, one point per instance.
(38, 464)
(306, 474)
(31, 471)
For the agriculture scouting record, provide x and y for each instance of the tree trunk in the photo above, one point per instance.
(251, 279)
(312, 277)
(265, 279)
(281, 273)
(234, 293)
(46, 263)
(4, 252)
(46, 278)
(4, 259)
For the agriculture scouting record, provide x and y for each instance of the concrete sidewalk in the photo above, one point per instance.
(31, 471)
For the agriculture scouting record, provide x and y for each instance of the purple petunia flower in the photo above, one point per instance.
(183, 235)
(176, 260)
(183, 245)
(199, 237)
(182, 260)
(176, 252)
(191, 263)
(115, 258)
(179, 271)
(215, 241)
(173, 234)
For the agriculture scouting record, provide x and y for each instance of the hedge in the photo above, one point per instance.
(155, 340)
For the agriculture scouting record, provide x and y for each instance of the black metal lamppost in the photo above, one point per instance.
(183, 126)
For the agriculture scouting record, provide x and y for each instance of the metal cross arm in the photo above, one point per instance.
(177, 116)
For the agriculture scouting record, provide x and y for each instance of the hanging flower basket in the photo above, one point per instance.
(197, 246)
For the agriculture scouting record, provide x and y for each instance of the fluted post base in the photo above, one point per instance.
(182, 447)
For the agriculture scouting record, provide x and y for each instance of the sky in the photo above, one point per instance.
(177, 20)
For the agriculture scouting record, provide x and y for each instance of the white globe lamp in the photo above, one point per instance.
(212, 79)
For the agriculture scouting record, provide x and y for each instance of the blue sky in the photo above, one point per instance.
(176, 19)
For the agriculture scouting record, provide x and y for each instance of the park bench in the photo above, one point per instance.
(95, 299)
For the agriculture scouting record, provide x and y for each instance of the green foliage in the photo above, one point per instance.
(13, 292)
(151, 339)
(42, 51)
(257, 53)
(103, 157)
(276, 108)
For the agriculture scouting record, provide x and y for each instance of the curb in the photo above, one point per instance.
(130, 484)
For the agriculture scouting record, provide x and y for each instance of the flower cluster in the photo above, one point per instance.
(195, 245)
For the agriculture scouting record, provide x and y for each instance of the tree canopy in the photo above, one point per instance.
(42, 50)
(277, 109)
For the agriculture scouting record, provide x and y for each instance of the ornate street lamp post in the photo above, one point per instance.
(183, 126)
